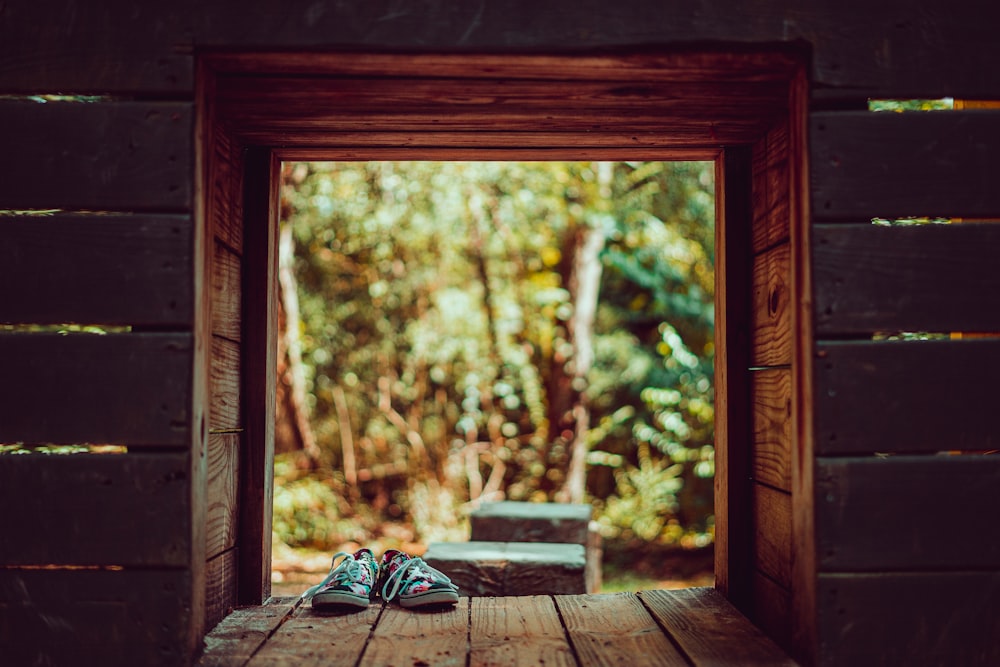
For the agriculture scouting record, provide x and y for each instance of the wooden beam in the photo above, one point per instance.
(892, 165)
(902, 396)
(120, 270)
(98, 156)
(130, 389)
(924, 278)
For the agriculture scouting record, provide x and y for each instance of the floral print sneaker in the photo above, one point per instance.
(349, 584)
(414, 583)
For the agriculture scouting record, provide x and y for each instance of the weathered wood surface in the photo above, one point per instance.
(892, 165)
(510, 521)
(906, 396)
(771, 182)
(511, 568)
(693, 627)
(772, 610)
(226, 408)
(923, 278)
(227, 293)
(515, 631)
(771, 308)
(94, 617)
(919, 618)
(235, 639)
(220, 588)
(222, 501)
(907, 513)
(772, 511)
(132, 270)
(99, 156)
(772, 427)
(703, 625)
(109, 509)
(129, 388)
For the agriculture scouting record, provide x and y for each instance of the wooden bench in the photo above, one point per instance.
(511, 568)
(696, 626)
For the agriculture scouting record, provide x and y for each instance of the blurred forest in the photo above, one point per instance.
(456, 332)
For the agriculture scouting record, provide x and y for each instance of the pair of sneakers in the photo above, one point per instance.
(396, 576)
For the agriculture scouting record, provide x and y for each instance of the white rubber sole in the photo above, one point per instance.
(339, 599)
(429, 598)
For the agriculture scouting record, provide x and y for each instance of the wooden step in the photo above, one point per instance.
(511, 568)
(513, 521)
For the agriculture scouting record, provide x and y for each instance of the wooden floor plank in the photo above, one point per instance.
(615, 629)
(411, 637)
(233, 641)
(319, 638)
(516, 631)
(710, 630)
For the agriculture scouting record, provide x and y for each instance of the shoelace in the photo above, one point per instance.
(349, 568)
(415, 568)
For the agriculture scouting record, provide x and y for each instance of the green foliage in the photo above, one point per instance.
(434, 299)
(942, 104)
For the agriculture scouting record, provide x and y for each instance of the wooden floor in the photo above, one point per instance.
(696, 626)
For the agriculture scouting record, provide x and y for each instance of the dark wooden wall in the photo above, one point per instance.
(907, 563)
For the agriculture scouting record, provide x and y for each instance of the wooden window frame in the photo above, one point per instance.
(264, 108)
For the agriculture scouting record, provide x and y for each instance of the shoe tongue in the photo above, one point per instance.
(364, 552)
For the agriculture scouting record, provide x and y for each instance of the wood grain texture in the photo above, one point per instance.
(420, 637)
(220, 593)
(227, 293)
(772, 511)
(772, 427)
(615, 629)
(923, 278)
(132, 270)
(888, 514)
(94, 617)
(312, 638)
(889, 165)
(509, 631)
(225, 386)
(131, 389)
(932, 618)
(733, 424)
(233, 641)
(771, 308)
(772, 611)
(225, 196)
(906, 396)
(709, 630)
(105, 506)
(102, 156)
(771, 188)
(222, 492)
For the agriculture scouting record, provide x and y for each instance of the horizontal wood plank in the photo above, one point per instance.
(222, 498)
(772, 427)
(131, 389)
(906, 396)
(227, 293)
(890, 165)
(225, 390)
(907, 512)
(709, 630)
(220, 590)
(406, 637)
(314, 639)
(772, 551)
(771, 214)
(239, 635)
(615, 629)
(514, 631)
(933, 618)
(102, 156)
(113, 509)
(130, 270)
(771, 308)
(922, 278)
(94, 617)
(772, 610)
